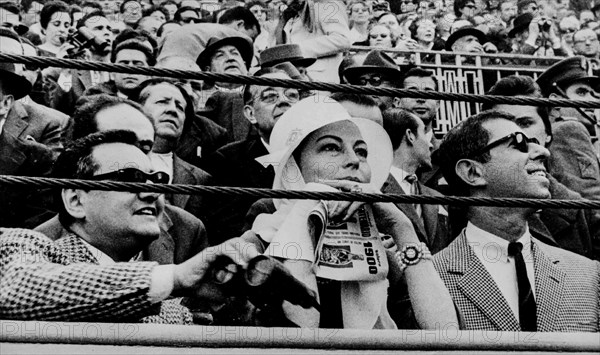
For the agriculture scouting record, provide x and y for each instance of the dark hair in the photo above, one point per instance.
(82, 21)
(91, 4)
(396, 121)
(421, 73)
(5, 32)
(49, 9)
(248, 94)
(84, 118)
(459, 5)
(143, 94)
(177, 16)
(523, 86)
(521, 4)
(10, 7)
(122, 7)
(461, 142)
(135, 40)
(26, 4)
(153, 9)
(76, 162)
(162, 27)
(240, 13)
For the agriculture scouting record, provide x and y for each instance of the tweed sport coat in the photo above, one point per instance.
(567, 290)
(62, 281)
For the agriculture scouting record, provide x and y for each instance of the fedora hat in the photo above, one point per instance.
(375, 62)
(285, 53)
(462, 32)
(567, 71)
(520, 23)
(214, 43)
(13, 84)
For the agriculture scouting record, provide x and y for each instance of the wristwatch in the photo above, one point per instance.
(411, 254)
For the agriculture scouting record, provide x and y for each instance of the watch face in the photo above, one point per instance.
(411, 253)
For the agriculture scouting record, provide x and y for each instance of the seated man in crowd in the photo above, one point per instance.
(87, 275)
(181, 234)
(574, 159)
(229, 55)
(131, 47)
(235, 164)
(572, 229)
(489, 155)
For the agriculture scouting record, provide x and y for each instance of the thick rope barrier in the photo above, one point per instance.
(289, 83)
(38, 182)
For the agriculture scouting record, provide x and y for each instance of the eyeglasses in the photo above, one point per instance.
(191, 20)
(270, 96)
(377, 35)
(569, 30)
(470, 6)
(517, 139)
(373, 81)
(134, 175)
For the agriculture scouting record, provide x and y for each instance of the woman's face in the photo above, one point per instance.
(426, 31)
(58, 28)
(380, 36)
(335, 152)
(259, 12)
(389, 20)
(359, 13)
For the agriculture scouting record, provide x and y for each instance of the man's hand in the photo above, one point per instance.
(489, 47)
(191, 278)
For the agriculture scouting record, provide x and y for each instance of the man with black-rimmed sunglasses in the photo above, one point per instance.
(500, 275)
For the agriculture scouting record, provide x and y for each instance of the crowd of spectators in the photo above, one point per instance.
(87, 255)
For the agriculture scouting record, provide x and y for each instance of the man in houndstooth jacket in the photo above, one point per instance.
(488, 156)
(91, 274)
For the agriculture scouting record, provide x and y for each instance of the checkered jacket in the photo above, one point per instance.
(567, 290)
(45, 280)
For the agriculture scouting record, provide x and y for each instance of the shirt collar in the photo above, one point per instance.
(481, 239)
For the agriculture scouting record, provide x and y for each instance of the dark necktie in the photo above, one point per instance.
(527, 306)
(414, 190)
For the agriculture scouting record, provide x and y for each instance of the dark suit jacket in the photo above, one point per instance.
(432, 228)
(227, 110)
(187, 174)
(36, 122)
(234, 165)
(200, 138)
(20, 206)
(573, 160)
(181, 236)
(567, 290)
(65, 101)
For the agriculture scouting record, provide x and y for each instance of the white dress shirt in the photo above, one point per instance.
(492, 251)
(400, 176)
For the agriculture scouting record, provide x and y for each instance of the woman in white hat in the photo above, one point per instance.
(335, 247)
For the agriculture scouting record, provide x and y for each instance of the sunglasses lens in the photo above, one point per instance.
(161, 177)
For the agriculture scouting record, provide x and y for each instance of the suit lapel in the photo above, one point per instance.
(429, 215)
(548, 288)
(392, 187)
(477, 285)
(16, 120)
(12, 155)
(181, 175)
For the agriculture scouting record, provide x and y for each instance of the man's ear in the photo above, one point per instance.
(72, 200)
(240, 25)
(249, 114)
(471, 172)
(554, 111)
(396, 102)
(6, 104)
(410, 137)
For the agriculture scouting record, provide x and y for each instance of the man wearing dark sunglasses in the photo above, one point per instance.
(379, 70)
(186, 15)
(500, 275)
(89, 270)
(575, 230)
